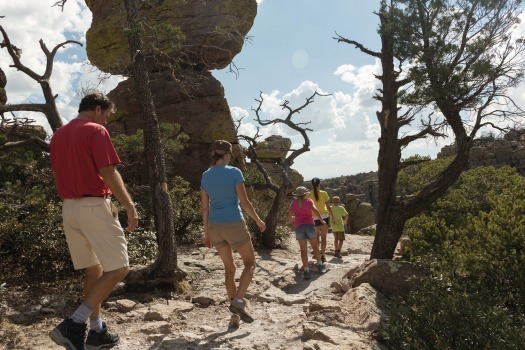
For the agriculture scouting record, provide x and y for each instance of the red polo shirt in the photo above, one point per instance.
(78, 149)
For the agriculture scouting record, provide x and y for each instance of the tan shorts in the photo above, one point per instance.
(233, 233)
(339, 236)
(93, 233)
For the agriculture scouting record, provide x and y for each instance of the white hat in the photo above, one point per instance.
(300, 191)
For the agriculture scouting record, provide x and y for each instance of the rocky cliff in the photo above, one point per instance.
(183, 40)
(497, 152)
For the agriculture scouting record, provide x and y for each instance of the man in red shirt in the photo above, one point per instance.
(84, 162)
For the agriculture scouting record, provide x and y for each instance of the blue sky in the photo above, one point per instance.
(290, 55)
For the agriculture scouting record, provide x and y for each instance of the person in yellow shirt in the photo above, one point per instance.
(338, 225)
(321, 200)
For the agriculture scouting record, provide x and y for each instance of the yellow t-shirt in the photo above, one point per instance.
(321, 203)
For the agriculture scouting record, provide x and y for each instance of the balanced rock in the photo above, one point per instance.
(201, 34)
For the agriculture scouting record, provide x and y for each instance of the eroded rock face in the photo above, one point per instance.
(273, 149)
(204, 118)
(361, 214)
(389, 277)
(495, 152)
(183, 40)
(204, 34)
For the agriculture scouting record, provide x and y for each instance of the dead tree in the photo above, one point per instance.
(165, 266)
(48, 108)
(272, 219)
(19, 133)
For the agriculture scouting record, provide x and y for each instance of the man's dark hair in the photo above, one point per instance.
(92, 100)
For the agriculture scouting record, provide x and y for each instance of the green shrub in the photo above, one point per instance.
(142, 247)
(431, 231)
(31, 237)
(475, 299)
(440, 316)
(187, 215)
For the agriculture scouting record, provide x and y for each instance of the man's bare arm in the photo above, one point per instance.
(113, 180)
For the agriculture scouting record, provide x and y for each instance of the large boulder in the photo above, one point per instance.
(275, 172)
(361, 214)
(273, 149)
(200, 34)
(205, 118)
(389, 277)
(183, 41)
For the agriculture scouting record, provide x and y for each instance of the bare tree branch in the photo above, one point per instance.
(60, 4)
(49, 108)
(359, 46)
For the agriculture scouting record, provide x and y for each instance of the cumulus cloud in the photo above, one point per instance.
(340, 116)
(28, 21)
(327, 159)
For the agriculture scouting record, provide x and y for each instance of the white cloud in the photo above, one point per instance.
(328, 159)
(28, 21)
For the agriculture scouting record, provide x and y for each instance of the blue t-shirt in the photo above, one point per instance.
(219, 183)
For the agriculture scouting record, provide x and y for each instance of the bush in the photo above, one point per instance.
(439, 316)
(475, 298)
(31, 236)
(433, 230)
(142, 247)
(186, 211)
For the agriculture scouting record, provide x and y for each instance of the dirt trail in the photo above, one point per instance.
(290, 312)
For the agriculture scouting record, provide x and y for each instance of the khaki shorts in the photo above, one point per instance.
(93, 233)
(233, 233)
(339, 236)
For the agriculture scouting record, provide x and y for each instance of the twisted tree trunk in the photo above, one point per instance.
(165, 266)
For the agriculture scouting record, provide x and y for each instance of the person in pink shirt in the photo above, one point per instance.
(301, 213)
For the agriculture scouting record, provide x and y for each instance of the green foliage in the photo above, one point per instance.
(186, 211)
(439, 226)
(261, 201)
(31, 238)
(131, 151)
(130, 147)
(142, 247)
(455, 46)
(473, 243)
(414, 178)
(441, 317)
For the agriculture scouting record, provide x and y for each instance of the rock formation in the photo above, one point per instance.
(361, 214)
(273, 149)
(271, 153)
(497, 152)
(183, 41)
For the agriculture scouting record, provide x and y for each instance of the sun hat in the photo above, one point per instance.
(221, 147)
(300, 191)
(336, 199)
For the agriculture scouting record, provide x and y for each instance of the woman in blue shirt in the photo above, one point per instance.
(222, 196)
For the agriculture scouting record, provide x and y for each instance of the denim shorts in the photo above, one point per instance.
(305, 231)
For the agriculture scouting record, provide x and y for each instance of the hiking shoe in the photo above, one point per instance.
(320, 267)
(234, 321)
(323, 259)
(102, 340)
(238, 308)
(307, 274)
(69, 334)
